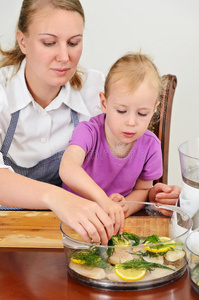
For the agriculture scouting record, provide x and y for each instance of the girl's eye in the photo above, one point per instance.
(142, 114)
(121, 111)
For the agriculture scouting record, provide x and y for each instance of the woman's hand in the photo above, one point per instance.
(86, 217)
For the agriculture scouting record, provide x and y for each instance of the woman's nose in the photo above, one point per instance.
(62, 55)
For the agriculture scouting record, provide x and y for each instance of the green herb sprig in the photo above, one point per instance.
(122, 238)
(135, 239)
(141, 264)
(152, 239)
(91, 258)
(148, 253)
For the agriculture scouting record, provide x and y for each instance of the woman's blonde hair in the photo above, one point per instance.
(14, 56)
(132, 69)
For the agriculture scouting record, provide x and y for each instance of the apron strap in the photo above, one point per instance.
(75, 118)
(8, 140)
(6, 208)
(10, 133)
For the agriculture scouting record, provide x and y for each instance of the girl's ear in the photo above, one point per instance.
(155, 107)
(21, 41)
(103, 102)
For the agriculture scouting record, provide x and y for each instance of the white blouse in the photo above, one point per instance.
(42, 132)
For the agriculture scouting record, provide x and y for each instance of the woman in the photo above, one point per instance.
(42, 97)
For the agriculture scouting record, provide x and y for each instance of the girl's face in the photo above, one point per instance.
(53, 46)
(127, 113)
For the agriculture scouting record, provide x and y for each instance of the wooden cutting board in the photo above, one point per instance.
(41, 229)
(30, 229)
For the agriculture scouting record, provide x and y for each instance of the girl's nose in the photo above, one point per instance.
(131, 120)
(62, 55)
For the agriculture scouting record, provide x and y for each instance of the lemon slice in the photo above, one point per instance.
(129, 274)
(163, 248)
(81, 261)
(77, 261)
(120, 242)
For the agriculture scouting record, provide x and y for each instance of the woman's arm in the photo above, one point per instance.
(84, 216)
(74, 176)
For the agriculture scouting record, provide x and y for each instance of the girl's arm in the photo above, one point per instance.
(139, 194)
(74, 176)
(85, 217)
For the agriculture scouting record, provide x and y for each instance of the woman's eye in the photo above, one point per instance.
(72, 44)
(48, 44)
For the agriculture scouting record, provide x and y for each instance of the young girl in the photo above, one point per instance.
(113, 156)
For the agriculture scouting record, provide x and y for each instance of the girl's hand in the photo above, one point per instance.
(164, 194)
(115, 212)
(119, 198)
(116, 197)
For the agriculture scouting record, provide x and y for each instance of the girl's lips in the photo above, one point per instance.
(128, 134)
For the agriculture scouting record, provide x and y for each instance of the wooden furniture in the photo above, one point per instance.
(27, 272)
(30, 229)
(160, 124)
(34, 274)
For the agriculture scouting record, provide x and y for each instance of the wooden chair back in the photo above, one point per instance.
(160, 123)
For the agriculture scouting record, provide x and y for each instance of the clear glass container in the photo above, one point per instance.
(114, 266)
(189, 162)
(192, 249)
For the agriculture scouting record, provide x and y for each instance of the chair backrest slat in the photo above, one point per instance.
(160, 124)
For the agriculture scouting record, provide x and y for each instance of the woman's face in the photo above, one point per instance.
(53, 47)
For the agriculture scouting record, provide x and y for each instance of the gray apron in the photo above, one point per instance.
(46, 170)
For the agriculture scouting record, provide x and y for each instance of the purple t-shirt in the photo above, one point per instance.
(113, 174)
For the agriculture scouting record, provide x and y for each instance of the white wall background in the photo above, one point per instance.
(167, 30)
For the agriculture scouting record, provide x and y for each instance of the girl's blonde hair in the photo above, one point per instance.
(29, 8)
(132, 69)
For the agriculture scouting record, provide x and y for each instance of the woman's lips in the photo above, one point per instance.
(60, 71)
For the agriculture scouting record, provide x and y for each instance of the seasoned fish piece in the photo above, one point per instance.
(174, 255)
(158, 260)
(120, 256)
(111, 275)
(95, 273)
(146, 277)
(159, 272)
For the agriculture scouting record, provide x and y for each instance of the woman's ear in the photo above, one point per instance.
(103, 102)
(21, 41)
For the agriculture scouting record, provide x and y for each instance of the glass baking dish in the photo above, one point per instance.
(149, 254)
(192, 249)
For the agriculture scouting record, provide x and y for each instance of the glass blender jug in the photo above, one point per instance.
(189, 162)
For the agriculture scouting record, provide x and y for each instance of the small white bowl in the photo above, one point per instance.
(192, 249)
